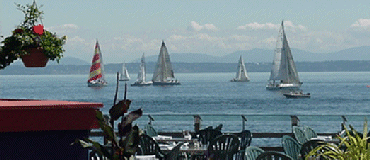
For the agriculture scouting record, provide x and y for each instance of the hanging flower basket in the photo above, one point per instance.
(31, 42)
(34, 58)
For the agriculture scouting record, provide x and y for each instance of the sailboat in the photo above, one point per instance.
(141, 76)
(284, 74)
(96, 78)
(163, 73)
(241, 73)
(124, 74)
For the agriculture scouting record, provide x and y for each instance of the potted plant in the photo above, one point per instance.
(30, 42)
(353, 145)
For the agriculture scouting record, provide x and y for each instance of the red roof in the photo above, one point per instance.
(19, 115)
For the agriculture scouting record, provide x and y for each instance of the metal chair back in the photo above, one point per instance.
(207, 135)
(245, 141)
(309, 132)
(291, 147)
(309, 146)
(174, 153)
(270, 155)
(224, 147)
(300, 135)
(148, 146)
(252, 152)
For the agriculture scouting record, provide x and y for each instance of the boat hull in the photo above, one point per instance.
(236, 80)
(296, 96)
(141, 84)
(96, 84)
(283, 86)
(168, 83)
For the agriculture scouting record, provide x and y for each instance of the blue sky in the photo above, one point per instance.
(126, 29)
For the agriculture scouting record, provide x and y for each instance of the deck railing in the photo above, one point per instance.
(267, 129)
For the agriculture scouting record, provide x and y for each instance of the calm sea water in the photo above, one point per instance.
(212, 96)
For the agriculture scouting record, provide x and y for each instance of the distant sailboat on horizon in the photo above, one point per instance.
(141, 77)
(241, 73)
(284, 74)
(163, 73)
(96, 77)
(124, 73)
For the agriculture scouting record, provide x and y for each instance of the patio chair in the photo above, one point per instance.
(224, 147)
(291, 147)
(174, 153)
(300, 135)
(309, 146)
(309, 132)
(270, 155)
(245, 141)
(252, 152)
(148, 146)
(207, 135)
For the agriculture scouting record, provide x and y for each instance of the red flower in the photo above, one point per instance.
(39, 29)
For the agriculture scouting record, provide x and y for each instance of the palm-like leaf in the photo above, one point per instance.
(356, 147)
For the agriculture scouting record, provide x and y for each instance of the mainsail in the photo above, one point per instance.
(141, 77)
(283, 69)
(163, 70)
(97, 67)
(242, 72)
(124, 74)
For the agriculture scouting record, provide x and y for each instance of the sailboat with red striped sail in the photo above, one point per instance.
(96, 78)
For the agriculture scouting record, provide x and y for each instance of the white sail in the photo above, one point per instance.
(141, 76)
(283, 72)
(163, 73)
(241, 74)
(124, 74)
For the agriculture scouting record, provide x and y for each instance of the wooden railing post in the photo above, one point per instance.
(343, 123)
(197, 120)
(294, 120)
(244, 120)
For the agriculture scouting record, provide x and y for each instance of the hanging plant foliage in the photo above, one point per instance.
(31, 34)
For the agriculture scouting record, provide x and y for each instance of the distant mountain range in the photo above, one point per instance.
(264, 55)
(249, 56)
(257, 60)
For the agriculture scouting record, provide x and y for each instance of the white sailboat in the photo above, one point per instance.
(141, 77)
(124, 74)
(96, 77)
(163, 73)
(284, 74)
(241, 73)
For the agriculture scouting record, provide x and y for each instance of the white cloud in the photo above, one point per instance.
(129, 46)
(65, 28)
(258, 26)
(361, 23)
(76, 39)
(194, 26)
